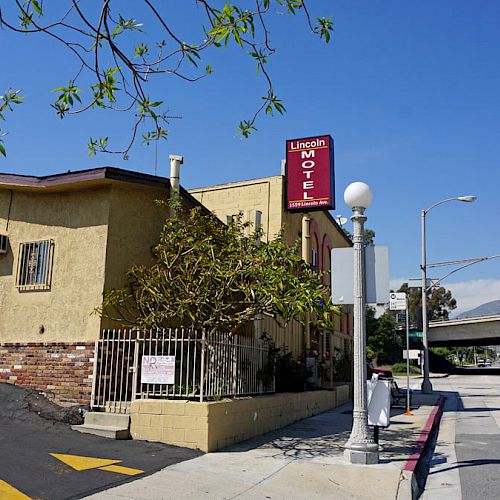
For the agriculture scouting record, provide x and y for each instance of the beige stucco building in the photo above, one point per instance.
(66, 238)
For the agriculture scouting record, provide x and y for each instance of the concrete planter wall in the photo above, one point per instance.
(214, 425)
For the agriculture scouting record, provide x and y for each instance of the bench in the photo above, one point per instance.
(398, 395)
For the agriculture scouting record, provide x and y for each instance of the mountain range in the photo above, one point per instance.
(487, 309)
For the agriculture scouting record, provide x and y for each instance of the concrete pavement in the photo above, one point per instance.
(301, 461)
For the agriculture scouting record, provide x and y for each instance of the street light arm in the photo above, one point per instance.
(462, 261)
(425, 212)
(470, 262)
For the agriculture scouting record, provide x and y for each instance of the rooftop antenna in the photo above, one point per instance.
(156, 157)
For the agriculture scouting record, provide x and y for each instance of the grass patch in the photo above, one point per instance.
(400, 369)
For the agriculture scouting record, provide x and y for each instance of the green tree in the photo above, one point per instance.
(439, 304)
(383, 345)
(208, 275)
(117, 57)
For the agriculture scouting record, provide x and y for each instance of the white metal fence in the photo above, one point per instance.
(204, 366)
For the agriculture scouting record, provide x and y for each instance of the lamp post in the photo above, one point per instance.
(426, 384)
(360, 448)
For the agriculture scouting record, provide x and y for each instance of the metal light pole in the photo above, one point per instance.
(360, 448)
(426, 384)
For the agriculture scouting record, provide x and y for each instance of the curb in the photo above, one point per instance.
(408, 487)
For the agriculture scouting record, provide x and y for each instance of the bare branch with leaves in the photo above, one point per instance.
(95, 36)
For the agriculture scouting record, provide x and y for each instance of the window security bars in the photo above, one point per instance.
(203, 367)
(34, 266)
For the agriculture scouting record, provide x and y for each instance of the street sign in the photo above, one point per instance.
(417, 282)
(413, 353)
(376, 275)
(397, 301)
(401, 318)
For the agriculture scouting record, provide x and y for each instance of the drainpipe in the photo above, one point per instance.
(175, 166)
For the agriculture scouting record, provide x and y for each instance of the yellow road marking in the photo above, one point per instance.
(8, 492)
(84, 463)
(122, 470)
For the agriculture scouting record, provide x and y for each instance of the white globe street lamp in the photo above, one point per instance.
(360, 448)
(426, 383)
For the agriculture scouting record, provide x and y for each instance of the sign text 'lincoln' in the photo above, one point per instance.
(309, 174)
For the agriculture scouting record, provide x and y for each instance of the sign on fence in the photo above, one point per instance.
(158, 370)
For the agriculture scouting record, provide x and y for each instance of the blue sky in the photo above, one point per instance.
(409, 91)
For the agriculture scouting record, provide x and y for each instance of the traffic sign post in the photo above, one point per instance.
(398, 301)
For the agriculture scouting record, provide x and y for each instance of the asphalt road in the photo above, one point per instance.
(466, 460)
(26, 464)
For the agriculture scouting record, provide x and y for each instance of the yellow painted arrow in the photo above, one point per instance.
(86, 463)
(122, 470)
(8, 492)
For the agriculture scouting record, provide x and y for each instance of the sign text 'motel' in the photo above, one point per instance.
(309, 174)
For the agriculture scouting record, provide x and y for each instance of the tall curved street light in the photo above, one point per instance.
(360, 448)
(426, 384)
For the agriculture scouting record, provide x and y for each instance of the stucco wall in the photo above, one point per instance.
(135, 222)
(265, 195)
(215, 425)
(77, 222)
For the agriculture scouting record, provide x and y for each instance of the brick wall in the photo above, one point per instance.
(63, 372)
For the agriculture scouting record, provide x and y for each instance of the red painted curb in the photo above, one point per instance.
(434, 417)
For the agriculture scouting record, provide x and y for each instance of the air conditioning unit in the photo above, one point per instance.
(4, 243)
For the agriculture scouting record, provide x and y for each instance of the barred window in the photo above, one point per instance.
(34, 267)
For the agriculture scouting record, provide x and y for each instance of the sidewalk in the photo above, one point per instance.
(301, 461)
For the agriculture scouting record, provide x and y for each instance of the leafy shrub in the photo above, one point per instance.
(401, 368)
(290, 375)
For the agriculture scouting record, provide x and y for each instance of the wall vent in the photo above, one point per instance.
(4, 243)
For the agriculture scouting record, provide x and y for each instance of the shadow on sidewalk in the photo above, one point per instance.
(322, 435)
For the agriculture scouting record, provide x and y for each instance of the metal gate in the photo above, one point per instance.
(206, 366)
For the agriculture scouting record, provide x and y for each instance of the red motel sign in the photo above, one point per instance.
(309, 174)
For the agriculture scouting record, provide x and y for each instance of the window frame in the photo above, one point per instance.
(40, 276)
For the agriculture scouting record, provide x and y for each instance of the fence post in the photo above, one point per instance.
(134, 367)
(94, 373)
(202, 368)
(235, 364)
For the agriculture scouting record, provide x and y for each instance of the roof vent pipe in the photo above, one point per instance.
(175, 166)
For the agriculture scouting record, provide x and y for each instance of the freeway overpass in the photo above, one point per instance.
(481, 331)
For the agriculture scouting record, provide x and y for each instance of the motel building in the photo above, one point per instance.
(65, 238)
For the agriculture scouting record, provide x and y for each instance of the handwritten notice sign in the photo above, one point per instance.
(158, 370)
